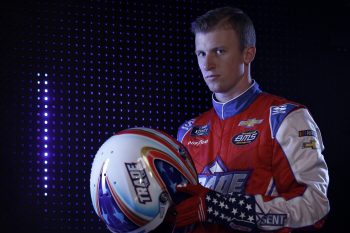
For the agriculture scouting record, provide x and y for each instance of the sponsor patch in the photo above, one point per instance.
(250, 122)
(312, 144)
(225, 182)
(197, 143)
(187, 125)
(271, 219)
(279, 109)
(245, 137)
(216, 176)
(305, 133)
(140, 181)
(278, 114)
(202, 130)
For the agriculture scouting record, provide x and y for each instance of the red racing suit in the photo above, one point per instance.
(266, 146)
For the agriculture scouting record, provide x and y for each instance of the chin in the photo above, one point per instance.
(215, 90)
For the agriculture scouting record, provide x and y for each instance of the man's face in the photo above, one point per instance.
(221, 61)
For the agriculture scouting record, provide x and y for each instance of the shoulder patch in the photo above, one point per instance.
(187, 125)
(277, 115)
(184, 128)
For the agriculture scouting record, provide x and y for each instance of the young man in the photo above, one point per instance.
(258, 156)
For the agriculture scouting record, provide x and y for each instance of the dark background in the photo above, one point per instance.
(111, 65)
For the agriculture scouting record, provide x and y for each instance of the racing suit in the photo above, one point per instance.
(266, 146)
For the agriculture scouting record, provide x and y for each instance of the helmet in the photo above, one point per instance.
(134, 176)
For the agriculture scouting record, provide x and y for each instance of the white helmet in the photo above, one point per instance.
(134, 177)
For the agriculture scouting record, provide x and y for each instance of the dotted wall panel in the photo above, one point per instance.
(84, 70)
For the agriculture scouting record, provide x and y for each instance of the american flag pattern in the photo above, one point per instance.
(234, 210)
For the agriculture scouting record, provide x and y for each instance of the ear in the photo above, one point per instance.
(249, 54)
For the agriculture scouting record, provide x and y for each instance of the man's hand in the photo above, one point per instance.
(193, 209)
(234, 210)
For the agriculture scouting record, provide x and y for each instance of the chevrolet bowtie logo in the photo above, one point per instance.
(311, 144)
(250, 122)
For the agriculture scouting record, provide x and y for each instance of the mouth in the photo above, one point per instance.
(213, 76)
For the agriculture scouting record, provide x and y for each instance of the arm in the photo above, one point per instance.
(301, 143)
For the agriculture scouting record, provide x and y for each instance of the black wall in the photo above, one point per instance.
(111, 65)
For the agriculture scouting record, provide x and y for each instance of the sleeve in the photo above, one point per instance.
(300, 143)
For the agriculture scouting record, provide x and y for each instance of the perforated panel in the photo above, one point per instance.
(87, 69)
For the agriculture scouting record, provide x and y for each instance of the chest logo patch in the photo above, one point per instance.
(202, 130)
(250, 122)
(245, 137)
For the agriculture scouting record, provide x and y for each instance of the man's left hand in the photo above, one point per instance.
(193, 209)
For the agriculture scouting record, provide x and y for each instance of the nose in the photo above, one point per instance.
(208, 63)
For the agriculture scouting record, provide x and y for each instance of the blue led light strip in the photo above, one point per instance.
(43, 113)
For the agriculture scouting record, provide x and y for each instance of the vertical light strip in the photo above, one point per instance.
(43, 112)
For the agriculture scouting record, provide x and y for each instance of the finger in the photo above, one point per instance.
(190, 189)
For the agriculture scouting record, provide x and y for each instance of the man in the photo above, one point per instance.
(258, 156)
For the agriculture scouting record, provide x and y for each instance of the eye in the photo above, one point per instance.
(220, 51)
(200, 54)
